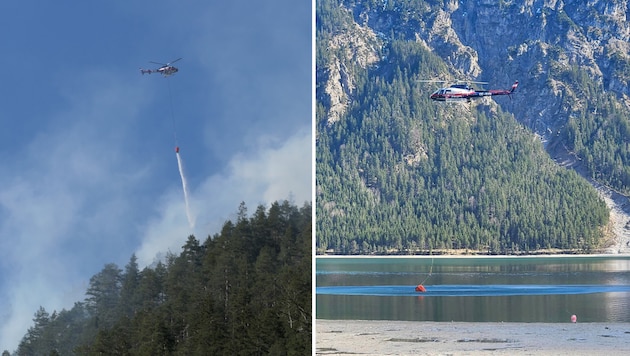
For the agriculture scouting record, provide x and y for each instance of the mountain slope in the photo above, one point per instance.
(397, 172)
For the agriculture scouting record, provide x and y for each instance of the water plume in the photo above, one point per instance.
(191, 220)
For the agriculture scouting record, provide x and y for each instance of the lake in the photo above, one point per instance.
(474, 289)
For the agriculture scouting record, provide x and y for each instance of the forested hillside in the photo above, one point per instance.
(397, 173)
(244, 291)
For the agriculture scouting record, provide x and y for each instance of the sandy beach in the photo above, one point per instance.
(360, 337)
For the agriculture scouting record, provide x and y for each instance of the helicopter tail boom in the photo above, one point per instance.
(501, 92)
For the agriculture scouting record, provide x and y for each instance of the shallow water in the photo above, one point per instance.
(511, 289)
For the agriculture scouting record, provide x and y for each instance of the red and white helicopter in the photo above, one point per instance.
(463, 91)
(166, 69)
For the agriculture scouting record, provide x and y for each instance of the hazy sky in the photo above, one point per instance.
(88, 172)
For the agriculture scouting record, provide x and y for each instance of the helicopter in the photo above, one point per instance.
(462, 91)
(166, 69)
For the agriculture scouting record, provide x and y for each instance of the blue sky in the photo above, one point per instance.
(89, 173)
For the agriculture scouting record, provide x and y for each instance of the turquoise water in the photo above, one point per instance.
(510, 289)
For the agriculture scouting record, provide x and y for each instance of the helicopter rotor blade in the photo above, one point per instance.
(469, 82)
(162, 64)
(433, 81)
(171, 62)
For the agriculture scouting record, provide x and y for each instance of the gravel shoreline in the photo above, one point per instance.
(381, 337)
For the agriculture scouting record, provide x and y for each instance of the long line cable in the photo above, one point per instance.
(430, 271)
(170, 97)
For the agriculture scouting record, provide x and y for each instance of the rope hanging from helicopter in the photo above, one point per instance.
(430, 272)
(170, 96)
(420, 287)
(167, 69)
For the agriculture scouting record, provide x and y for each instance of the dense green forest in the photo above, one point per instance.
(244, 291)
(398, 173)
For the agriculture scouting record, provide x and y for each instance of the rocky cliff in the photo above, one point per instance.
(498, 42)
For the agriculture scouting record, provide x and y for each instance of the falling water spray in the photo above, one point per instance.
(191, 220)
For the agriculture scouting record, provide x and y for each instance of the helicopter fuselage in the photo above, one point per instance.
(165, 71)
(461, 92)
(456, 92)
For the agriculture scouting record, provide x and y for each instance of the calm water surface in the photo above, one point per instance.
(510, 289)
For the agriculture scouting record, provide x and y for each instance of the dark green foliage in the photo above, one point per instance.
(244, 291)
(58, 333)
(104, 296)
(398, 173)
(598, 132)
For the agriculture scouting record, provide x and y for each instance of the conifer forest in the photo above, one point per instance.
(243, 291)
